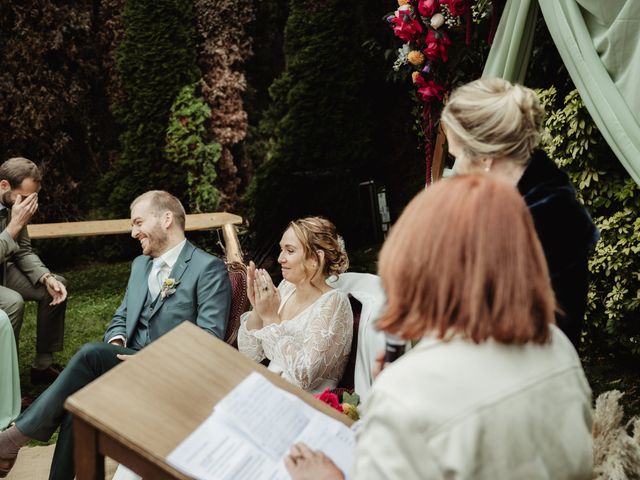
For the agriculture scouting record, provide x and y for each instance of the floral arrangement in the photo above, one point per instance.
(422, 25)
(168, 287)
(342, 401)
(425, 28)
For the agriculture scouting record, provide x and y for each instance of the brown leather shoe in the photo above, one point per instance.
(46, 376)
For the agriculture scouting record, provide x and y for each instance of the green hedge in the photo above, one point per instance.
(156, 59)
(613, 199)
(187, 148)
(318, 131)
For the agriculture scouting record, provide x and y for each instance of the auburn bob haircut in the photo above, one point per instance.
(464, 260)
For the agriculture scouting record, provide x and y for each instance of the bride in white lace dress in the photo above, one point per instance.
(304, 327)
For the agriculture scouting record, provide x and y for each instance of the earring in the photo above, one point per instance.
(487, 168)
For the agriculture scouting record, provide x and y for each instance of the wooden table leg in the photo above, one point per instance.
(89, 461)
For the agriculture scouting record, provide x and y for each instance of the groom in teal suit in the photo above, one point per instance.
(172, 282)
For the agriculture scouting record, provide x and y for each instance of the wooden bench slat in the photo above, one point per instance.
(196, 221)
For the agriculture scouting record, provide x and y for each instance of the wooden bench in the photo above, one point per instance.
(197, 221)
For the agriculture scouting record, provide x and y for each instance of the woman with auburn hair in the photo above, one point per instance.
(304, 327)
(493, 390)
(494, 127)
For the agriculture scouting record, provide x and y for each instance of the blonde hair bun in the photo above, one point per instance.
(493, 118)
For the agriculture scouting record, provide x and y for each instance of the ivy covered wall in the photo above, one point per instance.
(52, 102)
(613, 199)
(189, 150)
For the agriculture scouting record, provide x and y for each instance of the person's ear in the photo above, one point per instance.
(486, 164)
(5, 185)
(168, 219)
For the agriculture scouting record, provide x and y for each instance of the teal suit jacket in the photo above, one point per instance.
(203, 296)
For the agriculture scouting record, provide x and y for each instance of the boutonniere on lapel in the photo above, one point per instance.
(168, 288)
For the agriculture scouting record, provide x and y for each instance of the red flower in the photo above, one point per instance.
(405, 28)
(432, 51)
(428, 7)
(330, 399)
(457, 7)
(428, 90)
(437, 45)
(437, 36)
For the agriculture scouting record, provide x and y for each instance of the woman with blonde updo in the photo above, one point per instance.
(304, 327)
(493, 126)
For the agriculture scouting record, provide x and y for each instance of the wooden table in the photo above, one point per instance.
(196, 221)
(141, 410)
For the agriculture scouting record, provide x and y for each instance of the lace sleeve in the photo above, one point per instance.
(325, 347)
(248, 343)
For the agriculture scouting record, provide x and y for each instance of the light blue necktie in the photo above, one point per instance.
(155, 277)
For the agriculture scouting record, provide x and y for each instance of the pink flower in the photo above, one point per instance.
(405, 28)
(457, 7)
(437, 45)
(432, 51)
(428, 7)
(330, 399)
(428, 89)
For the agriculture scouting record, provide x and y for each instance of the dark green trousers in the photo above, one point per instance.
(47, 413)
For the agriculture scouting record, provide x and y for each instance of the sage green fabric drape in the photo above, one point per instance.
(512, 44)
(9, 374)
(599, 42)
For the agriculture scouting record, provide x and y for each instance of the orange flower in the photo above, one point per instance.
(415, 57)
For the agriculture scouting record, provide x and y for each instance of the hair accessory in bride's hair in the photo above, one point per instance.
(341, 245)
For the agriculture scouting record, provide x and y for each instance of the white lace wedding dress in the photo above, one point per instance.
(309, 350)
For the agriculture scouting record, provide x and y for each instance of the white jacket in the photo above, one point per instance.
(457, 410)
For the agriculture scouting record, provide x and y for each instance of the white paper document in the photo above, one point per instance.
(251, 431)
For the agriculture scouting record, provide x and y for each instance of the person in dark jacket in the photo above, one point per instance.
(494, 126)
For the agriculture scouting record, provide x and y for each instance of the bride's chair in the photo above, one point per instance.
(367, 289)
(239, 300)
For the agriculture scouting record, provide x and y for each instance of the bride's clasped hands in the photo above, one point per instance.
(263, 296)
